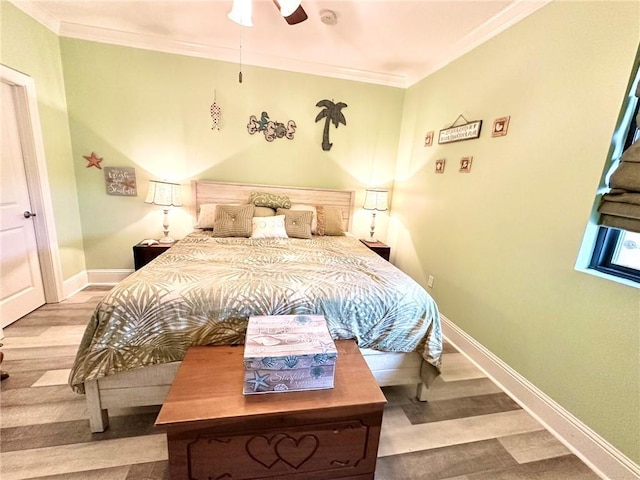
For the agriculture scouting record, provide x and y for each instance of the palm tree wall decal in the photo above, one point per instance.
(332, 114)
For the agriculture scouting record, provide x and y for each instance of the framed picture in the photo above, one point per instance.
(500, 127)
(465, 164)
(120, 181)
(440, 165)
(428, 139)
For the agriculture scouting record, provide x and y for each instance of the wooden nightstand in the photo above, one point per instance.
(380, 248)
(143, 254)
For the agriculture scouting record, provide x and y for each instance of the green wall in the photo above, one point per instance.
(502, 240)
(30, 48)
(150, 110)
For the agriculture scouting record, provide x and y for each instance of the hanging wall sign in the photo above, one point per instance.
(468, 131)
(120, 181)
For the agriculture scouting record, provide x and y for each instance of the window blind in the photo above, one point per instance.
(620, 207)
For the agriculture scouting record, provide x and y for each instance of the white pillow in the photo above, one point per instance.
(310, 208)
(206, 216)
(269, 227)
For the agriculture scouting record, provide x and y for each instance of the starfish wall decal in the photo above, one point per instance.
(94, 160)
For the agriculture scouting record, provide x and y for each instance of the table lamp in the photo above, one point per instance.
(375, 200)
(166, 195)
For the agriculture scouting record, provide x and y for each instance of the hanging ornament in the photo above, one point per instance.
(215, 113)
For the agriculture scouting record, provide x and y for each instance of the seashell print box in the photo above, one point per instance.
(285, 353)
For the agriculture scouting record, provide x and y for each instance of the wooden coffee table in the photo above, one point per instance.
(216, 432)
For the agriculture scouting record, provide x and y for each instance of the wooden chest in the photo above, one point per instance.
(216, 432)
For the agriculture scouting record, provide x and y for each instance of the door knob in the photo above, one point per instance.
(28, 214)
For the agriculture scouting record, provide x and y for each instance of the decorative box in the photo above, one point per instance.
(285, 353)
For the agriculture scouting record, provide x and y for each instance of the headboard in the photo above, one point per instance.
(204, 191)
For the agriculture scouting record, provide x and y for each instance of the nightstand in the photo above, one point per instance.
(143, 254)
(380, 248)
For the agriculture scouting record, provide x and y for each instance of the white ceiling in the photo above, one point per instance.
(395, 42)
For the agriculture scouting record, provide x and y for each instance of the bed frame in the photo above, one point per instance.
(150, 385)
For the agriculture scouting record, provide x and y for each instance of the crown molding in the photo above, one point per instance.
(38, 14)
(506, 18)
(167, 45)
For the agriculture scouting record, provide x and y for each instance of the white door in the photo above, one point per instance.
(21, 285)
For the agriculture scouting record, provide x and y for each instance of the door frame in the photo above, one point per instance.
(35, 166)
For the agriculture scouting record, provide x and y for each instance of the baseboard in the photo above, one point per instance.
(73, 285)
(591, 448)
(93, 277)
(108, 277)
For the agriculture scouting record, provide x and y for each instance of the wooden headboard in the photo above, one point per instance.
(204, 191)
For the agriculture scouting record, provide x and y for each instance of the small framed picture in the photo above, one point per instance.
(500, 127)
(440, 165)
(428, 139)
(465, 164)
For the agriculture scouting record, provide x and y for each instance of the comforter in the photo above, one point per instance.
(203, 290)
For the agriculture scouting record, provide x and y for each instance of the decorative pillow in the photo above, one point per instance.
(264, 212)
(329, 220)
(269, 227)
(297, 223)
(310, 208)
(206, 216)
(266, 199)
(233, 221)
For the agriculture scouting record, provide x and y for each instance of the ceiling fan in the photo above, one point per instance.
(291, 10)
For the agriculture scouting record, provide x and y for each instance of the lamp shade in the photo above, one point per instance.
(241, 12)
(164, 194)
(376, 199)
(287, 7)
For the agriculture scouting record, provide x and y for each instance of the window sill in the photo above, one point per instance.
(606, 276)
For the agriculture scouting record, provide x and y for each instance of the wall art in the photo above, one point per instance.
(332, 113)
(270, 128)
(500, 127)
(440, 165)
(120, 181)
(428, 139)
(465, 164)
(466, 131)
(94, 160)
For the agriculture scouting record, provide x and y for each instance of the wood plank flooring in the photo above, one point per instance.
(469, 429)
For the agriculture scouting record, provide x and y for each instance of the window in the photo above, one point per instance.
(617, 251)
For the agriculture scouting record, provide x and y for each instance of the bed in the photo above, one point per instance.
(203, 290)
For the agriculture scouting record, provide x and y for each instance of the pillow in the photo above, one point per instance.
(297, 223)
(310, 208)
(273, 200)
(233, 221)
(206, 216)
(329, 220)
(263, 212)
(269, 227)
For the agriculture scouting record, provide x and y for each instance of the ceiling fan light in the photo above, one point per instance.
(241, 12)
(287, 7)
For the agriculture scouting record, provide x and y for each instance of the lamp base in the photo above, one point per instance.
(166, 240)
(370, 240)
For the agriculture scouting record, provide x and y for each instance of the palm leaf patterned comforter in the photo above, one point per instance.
(203, 290)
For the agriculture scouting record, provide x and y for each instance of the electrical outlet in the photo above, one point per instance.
(430, 281)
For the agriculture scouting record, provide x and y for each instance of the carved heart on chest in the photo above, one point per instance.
(294, 452)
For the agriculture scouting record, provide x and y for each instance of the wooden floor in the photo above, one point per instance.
(469, 430)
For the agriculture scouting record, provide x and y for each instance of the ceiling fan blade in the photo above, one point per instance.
(297, 16)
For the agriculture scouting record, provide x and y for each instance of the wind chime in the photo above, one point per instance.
(216, 111)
